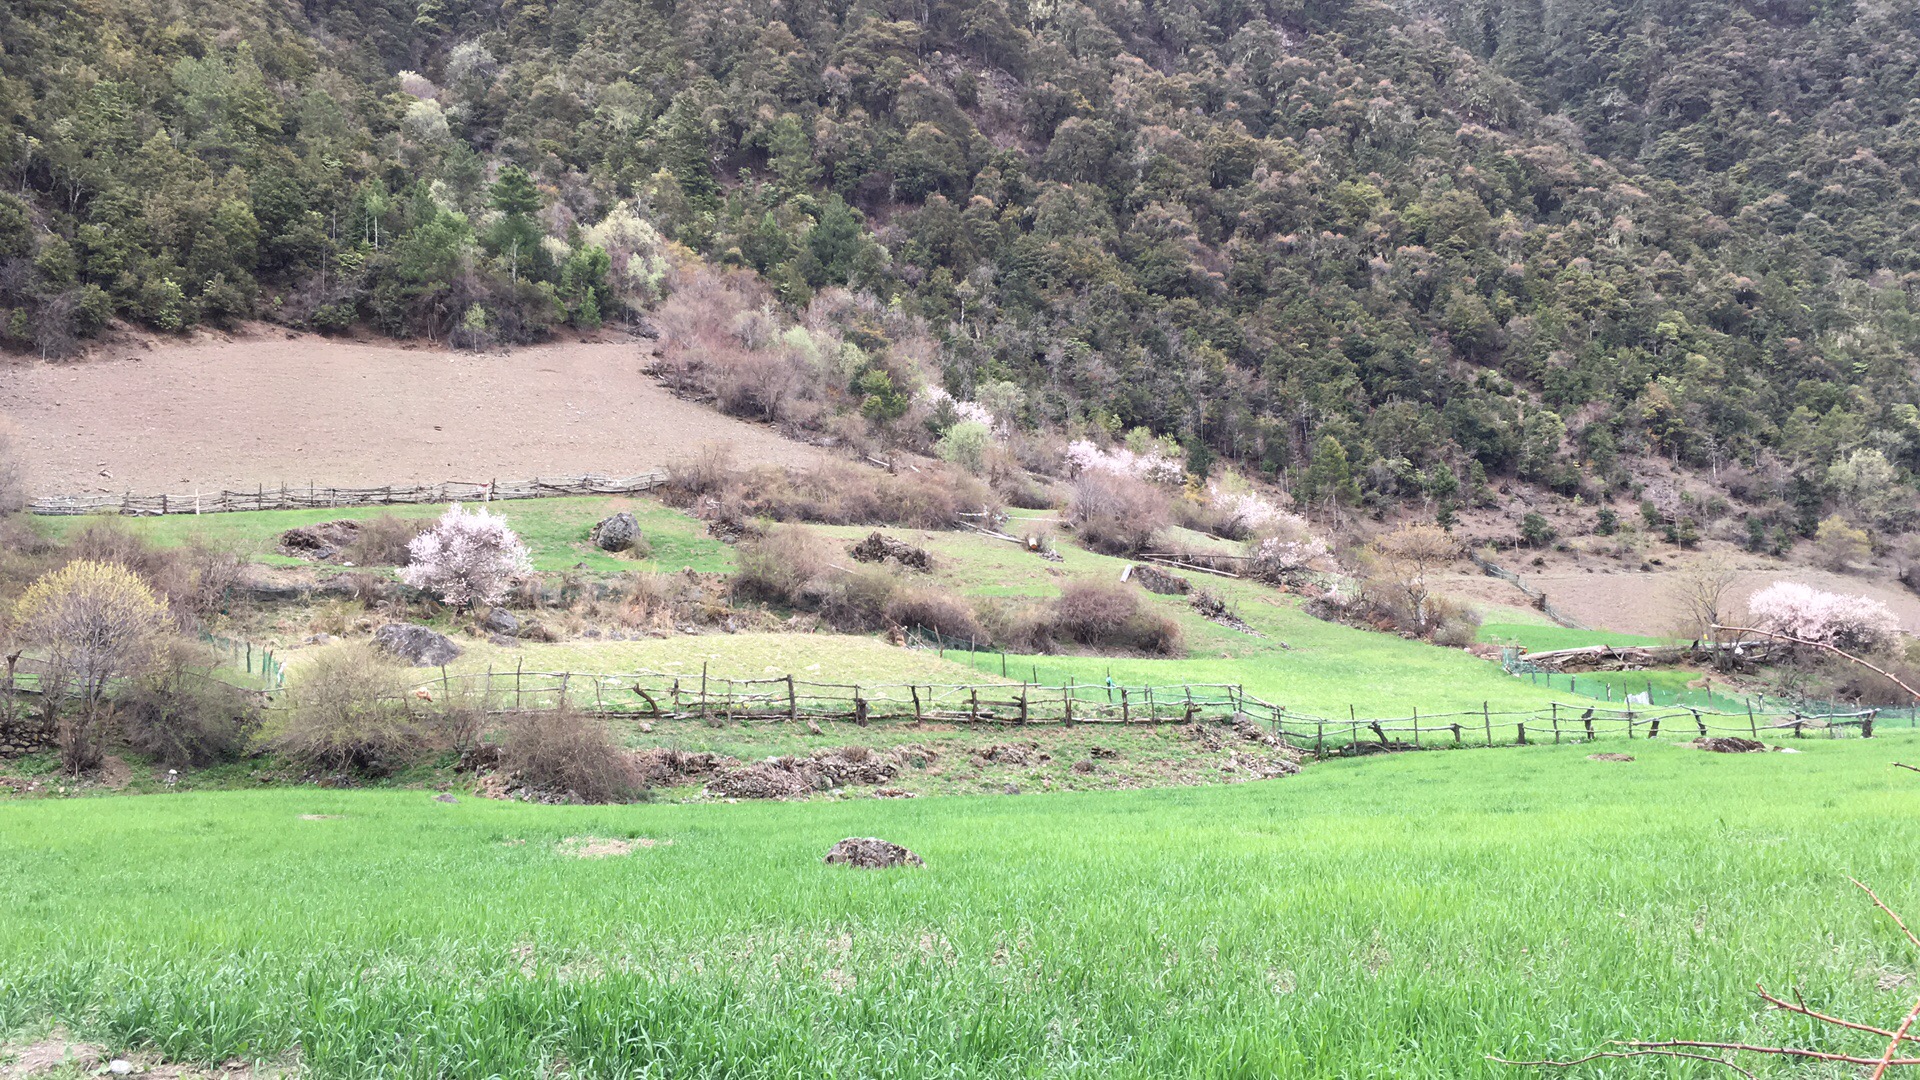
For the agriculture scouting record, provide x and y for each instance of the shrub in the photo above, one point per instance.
(567, 752)
(181, 717)
(1018, 626)
(13, 475)
(385, 540)
(348, 708)
(1451, 622)
(1093, 612)
(1536, 531)
(937, 610)
(95, 622)
(1404, 560)
(194, 578)
(707, 470)
(783, 567)
(467, 557)
(965, 444)
(1116, 514)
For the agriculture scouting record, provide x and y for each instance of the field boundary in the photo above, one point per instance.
(313, 496)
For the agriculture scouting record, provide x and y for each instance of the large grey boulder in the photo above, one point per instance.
(616, 533)
(501, 621)
(417, 645)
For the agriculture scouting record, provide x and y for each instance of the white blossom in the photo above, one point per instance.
(467, 558)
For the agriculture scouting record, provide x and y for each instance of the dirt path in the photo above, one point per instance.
(269, 410)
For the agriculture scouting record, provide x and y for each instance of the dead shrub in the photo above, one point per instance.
(181, 717)
(856, 600)
(706, 470)
(570, 753)
(13, 475)
(843, 494)
(1018, 626)
(1108, 615)
(786, 566)
(937, 610)
(382, 540)
(1116, 515)
(459, 717)
(1452, 622)
(348, 708)
(1092, 612)
(194, 578)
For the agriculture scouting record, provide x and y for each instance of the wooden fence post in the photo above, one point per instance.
(1319, 737)
(793, 702)
(703, 689)
(1521, 730)
(859, 707)
(915, 691)
(1752, 724)
(1416, 727)
(1066, 698)
(1486, 717)
(519, 664)
(1866, 723)
(1126, 714)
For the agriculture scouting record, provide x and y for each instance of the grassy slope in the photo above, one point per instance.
(1322, 667)
(1402, 916)
(555, 531)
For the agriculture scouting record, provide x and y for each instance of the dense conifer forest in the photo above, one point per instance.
(1386, 253)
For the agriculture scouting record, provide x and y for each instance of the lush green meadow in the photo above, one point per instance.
(1401, 916)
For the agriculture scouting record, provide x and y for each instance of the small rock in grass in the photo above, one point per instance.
(443, 797)
(871, 853)
(120, 1066)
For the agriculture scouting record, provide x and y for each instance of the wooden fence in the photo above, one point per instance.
(668, 695)
(294, 497)
(1556, 723)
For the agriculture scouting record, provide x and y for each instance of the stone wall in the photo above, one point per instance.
(24, 735)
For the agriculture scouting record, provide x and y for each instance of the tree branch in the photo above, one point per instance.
(1836, 650)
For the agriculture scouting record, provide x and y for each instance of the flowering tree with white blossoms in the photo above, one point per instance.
(1841, 620)
(468, 557)
(1152, 466)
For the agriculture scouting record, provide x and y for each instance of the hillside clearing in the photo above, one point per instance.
(269, 410)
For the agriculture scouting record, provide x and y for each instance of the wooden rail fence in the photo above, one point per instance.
(295, 497)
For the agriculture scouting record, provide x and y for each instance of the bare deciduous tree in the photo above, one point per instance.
(1700, 594)
(1404, 561)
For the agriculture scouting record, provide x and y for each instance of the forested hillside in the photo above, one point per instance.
(1383, 254)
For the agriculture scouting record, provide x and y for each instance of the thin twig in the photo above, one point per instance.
(1834, 649)
(1802, 1009)
(1897, 921)
(1893, 1045)
(1777, 1051)
(1903, 765)
(1599, 1054)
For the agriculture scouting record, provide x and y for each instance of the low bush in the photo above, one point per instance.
(383, 540)
(937, 610)
(707, 470)
(1116, 515)
(783, 567)
(1452, 623)
(13, 475)
(568, 753)
(1111, 616)
(348, 708)
(843, 494)
(181, 717)
(194, 578)
(1094, 612)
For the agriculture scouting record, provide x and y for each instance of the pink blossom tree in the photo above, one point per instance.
(468, 557)
(1841, 620)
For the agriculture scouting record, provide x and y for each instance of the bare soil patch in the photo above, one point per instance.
(1730, 744)
(269, 410)
(601, 847)
(1609, 757)
(59, 1055)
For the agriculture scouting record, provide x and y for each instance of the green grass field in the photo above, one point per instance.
(555, 531)
(1544, 637)
(1402, 916)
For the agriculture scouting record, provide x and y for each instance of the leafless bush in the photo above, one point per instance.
(183, 718)
(1018, 626)
(1092, 612)
(858, 599)
(706, 470)
(348, 708)
(1109, 615)
(1453, 623)
(382, 540)
(194, 578)
(839, 494)
(784, 566)
(13, 475)
(567, 752)
(937, 610)
(1117, 515)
